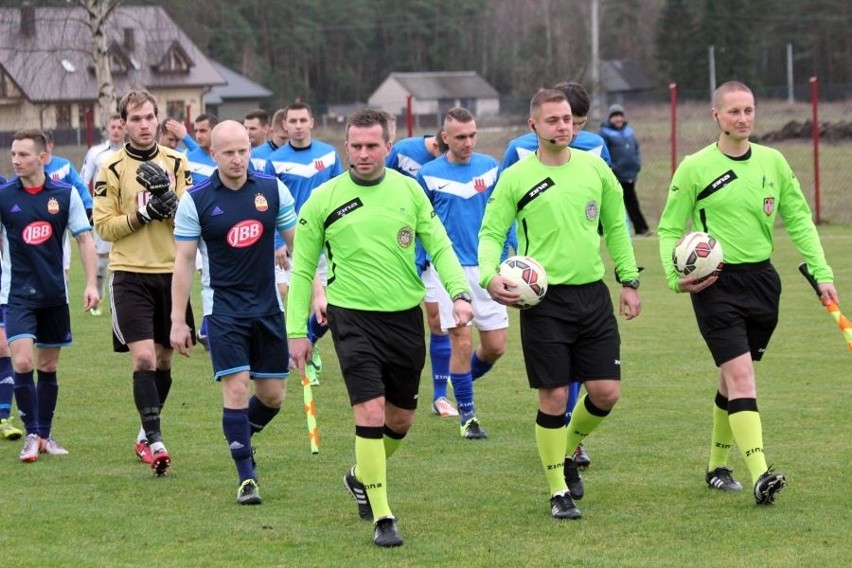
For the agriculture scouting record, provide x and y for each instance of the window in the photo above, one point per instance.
(63, 116)
(176, 110)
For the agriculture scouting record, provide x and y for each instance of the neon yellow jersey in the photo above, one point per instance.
(558, 209)
(368, 232)
(737, 201)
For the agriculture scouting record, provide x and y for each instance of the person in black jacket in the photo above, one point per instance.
(626, 163)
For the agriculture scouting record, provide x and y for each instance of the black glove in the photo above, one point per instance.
(158, 208)
(153, 178)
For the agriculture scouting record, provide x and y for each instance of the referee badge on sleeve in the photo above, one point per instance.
(768, 205)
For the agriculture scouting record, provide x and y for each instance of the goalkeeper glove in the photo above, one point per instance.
(158, 208)
(153, 178)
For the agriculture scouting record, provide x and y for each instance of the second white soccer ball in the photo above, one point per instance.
(530, 277)
(698, 253)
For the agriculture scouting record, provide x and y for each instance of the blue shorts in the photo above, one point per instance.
(254, 344)
(47, 327)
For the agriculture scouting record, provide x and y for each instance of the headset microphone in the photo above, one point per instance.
(552, 140)
(725, 132)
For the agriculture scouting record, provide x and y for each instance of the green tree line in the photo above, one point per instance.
(337, 51)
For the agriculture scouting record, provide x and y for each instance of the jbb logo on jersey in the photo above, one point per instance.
(38, 232)
(245, 233)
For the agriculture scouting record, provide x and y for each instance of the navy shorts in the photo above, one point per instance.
(738, 313)
(571, 336)
(380, 353)
(47, 327)
(254, 344)
(142, 309)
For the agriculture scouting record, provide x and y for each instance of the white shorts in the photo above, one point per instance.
(66, 252)
(282, 276)
(430, 280)
(102, 247)
(488, 315)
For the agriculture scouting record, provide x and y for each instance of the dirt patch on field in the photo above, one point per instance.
(828, 131)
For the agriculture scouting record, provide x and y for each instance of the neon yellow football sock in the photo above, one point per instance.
(371, 470)
(748, 433)
(392, 441)
(584, 420)
(550, 439)
(722, 436)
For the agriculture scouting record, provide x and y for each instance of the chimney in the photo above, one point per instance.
(28, 19)
(129, 39)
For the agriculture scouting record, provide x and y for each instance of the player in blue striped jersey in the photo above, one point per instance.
(277, 138)
(304, 164)
(459, 184)
(407, 156)
(35, 212)
(231, 218)
(201, 163)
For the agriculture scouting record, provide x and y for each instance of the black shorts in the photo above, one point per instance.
(47, 327)
(739, 312)
(142, 309)
(380, 353)
(571, 336)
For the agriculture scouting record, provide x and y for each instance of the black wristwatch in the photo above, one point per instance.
(631, 283)
(463, 296)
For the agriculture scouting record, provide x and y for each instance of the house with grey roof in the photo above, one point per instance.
(47, 75)
(236, 97)
(622, 80)
(435, 92)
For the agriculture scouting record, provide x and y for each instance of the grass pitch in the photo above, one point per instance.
(459, 502)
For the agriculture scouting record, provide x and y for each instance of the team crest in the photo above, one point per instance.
(768, 205)
(591, 210)
(405, 237)
(53, 206)
(479, 185)
(260, 202)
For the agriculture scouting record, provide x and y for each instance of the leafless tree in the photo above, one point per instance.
(98, 12)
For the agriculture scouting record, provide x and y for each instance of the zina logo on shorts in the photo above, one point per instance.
(245, 233)
(38, 232)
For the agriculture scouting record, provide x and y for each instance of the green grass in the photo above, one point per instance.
(459, 502)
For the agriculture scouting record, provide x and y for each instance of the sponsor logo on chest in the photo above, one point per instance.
(245, 233)
(37, 232)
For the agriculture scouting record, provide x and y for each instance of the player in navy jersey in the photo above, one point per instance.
(407, 156)
(201, 163)
(527, 144)
(231, 218)
(459, 184)
(35, 212)
(7, 382)
(136, 194)
(304, 164)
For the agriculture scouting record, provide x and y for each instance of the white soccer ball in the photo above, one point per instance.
(698, 253)
(530, 278)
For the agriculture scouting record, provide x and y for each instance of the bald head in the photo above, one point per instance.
(231, 150)
(228, 130)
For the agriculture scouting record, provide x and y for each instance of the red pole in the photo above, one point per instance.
(409, 114)
(673, 135)
(187, 120)
(815, 137)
